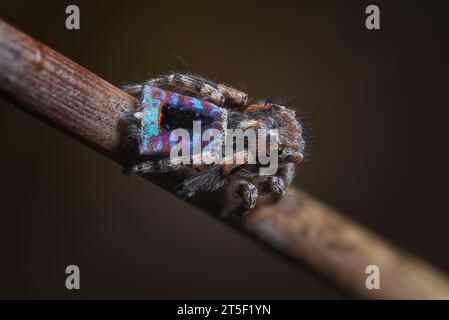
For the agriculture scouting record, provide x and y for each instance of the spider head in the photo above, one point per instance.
(281, 124)
(290, 141)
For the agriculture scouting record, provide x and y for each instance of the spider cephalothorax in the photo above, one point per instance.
(180, 101)
(273, 116)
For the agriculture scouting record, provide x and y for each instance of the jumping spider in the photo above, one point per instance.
(171, 101)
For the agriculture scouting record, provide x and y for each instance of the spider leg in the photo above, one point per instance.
(153, 166)
(209, 179)
(274, 186)
(243, 197)
(202, 177)
(287, 172)
(167, 165)
(219, 94)
(259, 107)
(133, 89)
(200, 87)
(233, 97)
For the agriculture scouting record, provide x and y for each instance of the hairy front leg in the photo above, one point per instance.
(242, 198)
(274, 187)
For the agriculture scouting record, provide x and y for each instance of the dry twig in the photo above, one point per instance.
(69, 97)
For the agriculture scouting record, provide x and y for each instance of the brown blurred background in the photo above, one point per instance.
(374, 105)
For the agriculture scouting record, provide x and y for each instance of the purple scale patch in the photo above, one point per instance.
(164, 111)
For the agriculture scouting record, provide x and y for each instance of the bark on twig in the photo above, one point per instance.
(73, 99)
